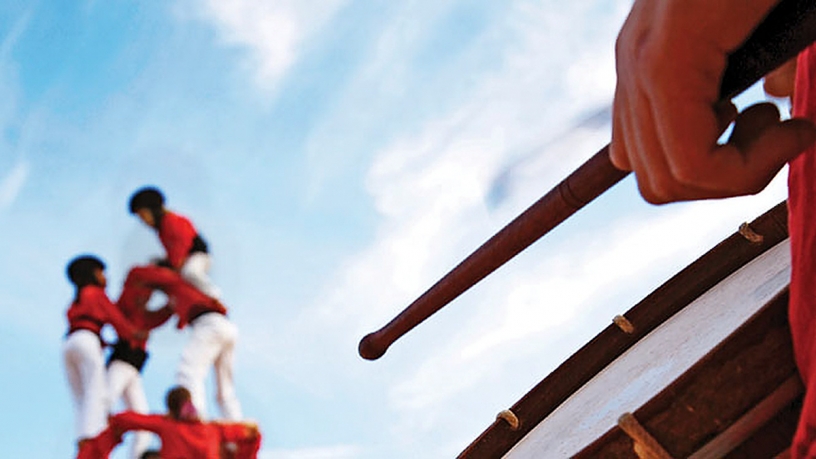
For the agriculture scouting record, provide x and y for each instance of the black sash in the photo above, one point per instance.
(128, 354)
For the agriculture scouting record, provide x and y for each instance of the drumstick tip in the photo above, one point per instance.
(371, 347)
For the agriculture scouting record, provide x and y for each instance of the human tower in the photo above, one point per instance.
(97, 383)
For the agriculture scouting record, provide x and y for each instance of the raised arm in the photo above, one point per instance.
(113, 315)
(129, 420)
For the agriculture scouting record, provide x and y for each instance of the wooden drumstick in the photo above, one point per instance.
(786, 31)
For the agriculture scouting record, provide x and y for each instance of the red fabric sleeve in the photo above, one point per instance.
(801, 219)
(233, 431)
(248, 448)
(100, 446)
(183, 294)
(139, 286)
(176, 235)
(110, 312)
(129, 420)
(247, 438)
(157, 318)
(135, 293)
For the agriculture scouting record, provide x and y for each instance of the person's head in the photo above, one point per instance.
(86, 270)
(180, 404)
(150, 454)
(148, 204)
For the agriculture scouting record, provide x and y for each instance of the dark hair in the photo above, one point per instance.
(175, 399)
(80, 272)
(148, 197)
(81, 269)
(150, 454)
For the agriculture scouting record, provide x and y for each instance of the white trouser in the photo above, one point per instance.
(211, 344)
(85, 369)
(125, 382)
(196, 270)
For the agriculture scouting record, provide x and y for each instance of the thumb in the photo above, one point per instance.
(777, 144)
(784, 141)
(758, 132)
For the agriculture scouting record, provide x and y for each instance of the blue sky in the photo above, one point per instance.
(339, 157)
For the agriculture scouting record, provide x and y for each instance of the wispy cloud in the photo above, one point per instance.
(273, 33)
(15, 177)
(430, 183)
(14, 34)
(12, 183)
(430, 188)
(427, 128)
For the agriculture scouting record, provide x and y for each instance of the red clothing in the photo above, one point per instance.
(248, 448)
(802, 217)
(184, 439)
(188, 301)
(100, 446)
(176, 234)
(93, 309)
(132, 301)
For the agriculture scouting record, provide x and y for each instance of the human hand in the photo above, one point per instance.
(667, 117)
(779, 83)
(252, 430)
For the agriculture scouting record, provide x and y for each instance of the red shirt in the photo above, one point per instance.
(93, 309)
(103, 444)
(133, 300)
(183, 439)
(188, 300)
(248, 448)
(801, 221)
(100, 446)
(176, 234)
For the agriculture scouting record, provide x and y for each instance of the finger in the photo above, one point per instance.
(726, 113)
(779, 83)
(617, 147)
(664, 185)
(644, 151)
(628, 47)
(657, 180)
(767, 154)
(691, 131)
(750, 170)
(751, 123)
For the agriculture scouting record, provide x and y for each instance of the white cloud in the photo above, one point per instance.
(273, 32)
(11, 38)
(429, 187)
(12, 183)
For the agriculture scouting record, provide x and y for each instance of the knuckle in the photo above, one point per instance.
(619, 160)
(654, 192)
(686, 173)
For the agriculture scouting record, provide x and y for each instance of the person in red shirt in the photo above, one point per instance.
(186, 250)
(184, 435)
(82, 350)
(212, 336)
(125, 363)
